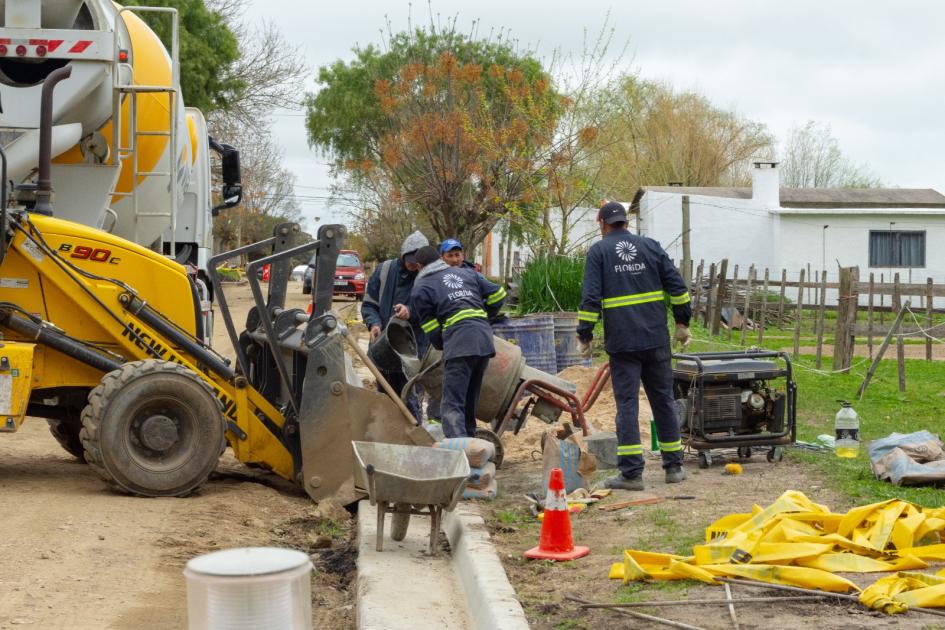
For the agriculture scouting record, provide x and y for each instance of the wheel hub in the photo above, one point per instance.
(158, 432)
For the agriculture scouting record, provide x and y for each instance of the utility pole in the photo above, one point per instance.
(686, 253)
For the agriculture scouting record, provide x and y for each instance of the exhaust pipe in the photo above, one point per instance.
(44, 181)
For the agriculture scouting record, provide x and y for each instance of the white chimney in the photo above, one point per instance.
(766, 184)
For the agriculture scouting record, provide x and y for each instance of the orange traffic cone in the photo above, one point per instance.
(555, 541)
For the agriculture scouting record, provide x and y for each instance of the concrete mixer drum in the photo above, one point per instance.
(128, 156)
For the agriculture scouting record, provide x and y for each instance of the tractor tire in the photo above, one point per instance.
(153, 428)
(66, 433)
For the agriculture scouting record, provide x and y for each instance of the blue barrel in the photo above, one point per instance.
(567, 350)
(535, 335)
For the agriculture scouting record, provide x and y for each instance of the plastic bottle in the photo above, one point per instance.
(847, 431)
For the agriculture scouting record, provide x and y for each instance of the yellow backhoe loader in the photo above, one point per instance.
(104, 337)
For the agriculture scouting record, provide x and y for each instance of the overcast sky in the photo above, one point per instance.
(871, 69)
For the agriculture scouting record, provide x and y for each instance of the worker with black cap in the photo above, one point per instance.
(627, 278)
(453, 306)
(387, 295)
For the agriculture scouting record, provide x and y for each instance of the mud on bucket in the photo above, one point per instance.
(396, 344)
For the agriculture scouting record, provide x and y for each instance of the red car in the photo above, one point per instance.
(349, 275)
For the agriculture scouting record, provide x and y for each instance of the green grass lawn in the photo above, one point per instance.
(882, 411)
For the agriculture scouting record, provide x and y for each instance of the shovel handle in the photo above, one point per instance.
(366, 360)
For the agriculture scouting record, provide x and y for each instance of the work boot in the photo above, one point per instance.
(675, 474)
(623, 483)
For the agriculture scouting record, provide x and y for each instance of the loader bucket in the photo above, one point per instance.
(333, 413)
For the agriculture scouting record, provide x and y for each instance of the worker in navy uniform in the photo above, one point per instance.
(451, 252)
(453, 306)
(387, 295)
(626, 279)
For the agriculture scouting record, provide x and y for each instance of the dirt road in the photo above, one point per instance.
(76, 555)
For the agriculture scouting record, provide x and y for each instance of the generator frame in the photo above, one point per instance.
(705, 442)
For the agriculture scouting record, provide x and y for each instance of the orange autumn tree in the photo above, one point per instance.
(453, 128)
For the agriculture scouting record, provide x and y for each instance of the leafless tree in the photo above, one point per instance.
(269, 196)
(270, 69)
(812, 159)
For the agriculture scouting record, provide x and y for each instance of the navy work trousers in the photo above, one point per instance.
(462, 380)
(654, 368)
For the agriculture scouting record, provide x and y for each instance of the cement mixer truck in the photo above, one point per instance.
(127, 156)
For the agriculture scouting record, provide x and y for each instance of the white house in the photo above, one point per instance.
(880, 230)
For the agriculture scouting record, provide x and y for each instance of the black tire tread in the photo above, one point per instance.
(98, 398)
(68, 438)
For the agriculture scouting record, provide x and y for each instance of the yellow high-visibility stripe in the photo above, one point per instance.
(587, 316)
(630, 449)
(671, 447)
(678, 300)
(430, 326)
(631, 300)
(466, 313)
(495, 297)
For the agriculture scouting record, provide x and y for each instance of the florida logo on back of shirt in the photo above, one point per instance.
(453, 281)
(627, 252)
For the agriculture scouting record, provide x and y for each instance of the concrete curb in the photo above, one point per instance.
(490, 598)
(402, 588)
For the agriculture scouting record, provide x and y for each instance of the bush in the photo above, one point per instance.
(551, 283)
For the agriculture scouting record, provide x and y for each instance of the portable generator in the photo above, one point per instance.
(741, 400)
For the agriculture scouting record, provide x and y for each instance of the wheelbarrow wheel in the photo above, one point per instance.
(490, 436)
(399, 522)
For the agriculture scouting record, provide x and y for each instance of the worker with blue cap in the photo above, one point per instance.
(451, 252)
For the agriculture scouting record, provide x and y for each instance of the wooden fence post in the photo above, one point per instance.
(731, 301)
(764, 310)
(810, 284)
(882, 350)
(882, 300)
(697, 291)
(719, 294)
(900, 347)
(847, 302)
(820, 316)
(751, 273)
(929, 302)
(711, 297)
(797, 315)
(869, 317)
(781, 299)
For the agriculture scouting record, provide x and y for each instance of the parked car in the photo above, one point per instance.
(349, 275)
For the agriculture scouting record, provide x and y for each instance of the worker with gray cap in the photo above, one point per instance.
(387, 295)
(628, 279)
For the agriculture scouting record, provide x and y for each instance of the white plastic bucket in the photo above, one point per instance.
(248, 589)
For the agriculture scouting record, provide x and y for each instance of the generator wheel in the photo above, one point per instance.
(744, 452)
(776, 454)
(66, 433)
(153, 428)
(705, 459)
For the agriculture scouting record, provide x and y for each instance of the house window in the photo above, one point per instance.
(890, 248)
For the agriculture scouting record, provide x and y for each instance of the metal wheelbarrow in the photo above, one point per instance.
(402, 480)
